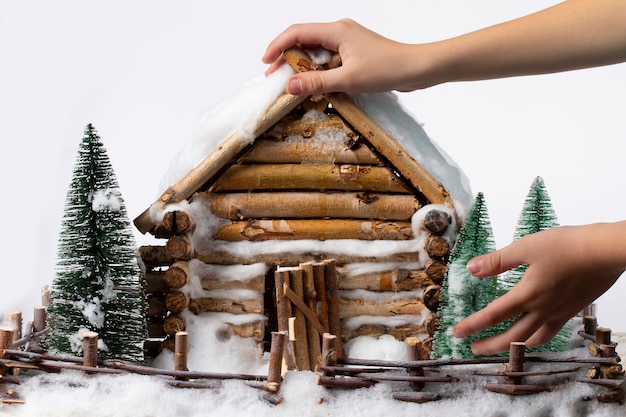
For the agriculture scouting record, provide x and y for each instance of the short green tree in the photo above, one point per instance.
(537, 214)
(98, 283)
(462, 293)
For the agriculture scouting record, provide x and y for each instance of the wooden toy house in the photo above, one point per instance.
(319, 221)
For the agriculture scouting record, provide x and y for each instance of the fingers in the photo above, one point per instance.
(501, 309)
(498, 261)
(521, 330)
(311, 34)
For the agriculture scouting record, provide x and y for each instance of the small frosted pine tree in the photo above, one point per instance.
(537, 214)
(462, 293)
(98, 283)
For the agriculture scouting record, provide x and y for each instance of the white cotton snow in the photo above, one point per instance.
(239, 113)
(106, 199)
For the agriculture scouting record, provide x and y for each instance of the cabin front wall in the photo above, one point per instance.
(310, 191)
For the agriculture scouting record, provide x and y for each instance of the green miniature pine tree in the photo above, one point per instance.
(537, 214)
(98, 282)
(462, 293)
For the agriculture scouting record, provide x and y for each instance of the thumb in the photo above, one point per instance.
(495, 262)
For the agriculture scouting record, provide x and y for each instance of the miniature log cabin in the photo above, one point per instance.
(319, 221)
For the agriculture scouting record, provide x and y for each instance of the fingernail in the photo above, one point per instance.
(294, 86)
(474, 265)
(458, 333)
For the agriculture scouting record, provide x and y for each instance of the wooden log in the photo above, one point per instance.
(274, 373)
(176, 301)
(154, 256)
(215, 283)
(6, 340)
(218, 257)
(256, 177)
(431, 297)
(416, 397)
(285, 205)
(154, 282)
(90, 349)
(177, 275)
(590, 324)
(181, 343)
(394, 280)
(224, 305)
(290, 345)
(14, 318)
(614, 396)
(314, 328)
(281, 277)
(416, 352)
(294, 124)
(437, 246)
(521, 374)
(254, 329)
(319, 283)
(155, 328)
(377, 330)
(232, 147)
(332, 300)
(155, 306)
(174, 324)
(46, 296)
(319, 229)
(517, 351)
(603, 336)
(40, 320)
(179, 247)
(436, 270)
(388, 307)
(329, 352)
(271, 151)
(175, 222)
(437, 221)
(301, 345)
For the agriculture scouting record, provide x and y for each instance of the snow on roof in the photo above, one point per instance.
(241, 112)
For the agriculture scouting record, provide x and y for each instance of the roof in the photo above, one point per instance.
(389, 128)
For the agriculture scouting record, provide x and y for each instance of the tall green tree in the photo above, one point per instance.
(462, 293)
(98, 282)
(537, 214)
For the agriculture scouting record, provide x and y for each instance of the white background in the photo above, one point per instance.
(143, 71)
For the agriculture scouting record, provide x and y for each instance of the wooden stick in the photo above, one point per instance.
(314, 328)
(329, 352)
(416, 397)
(180, 351)
(301, 345)
(274, 374)
(322, 297)
(471, 361)
(416, 351)
(90, 349)
(603, 336)
(517, 350)
(14, 318)
(518, 389)
(345, 383)
(332, 299)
